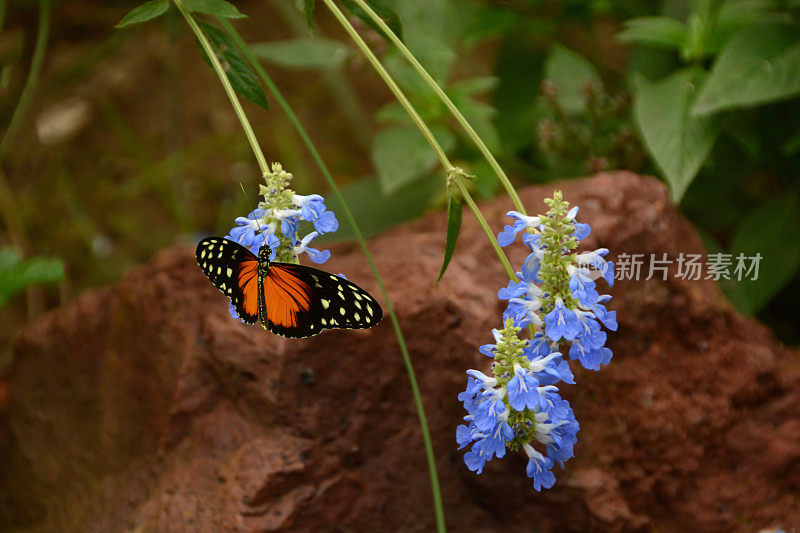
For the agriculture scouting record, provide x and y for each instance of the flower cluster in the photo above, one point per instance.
(276, 222)
(556, 299)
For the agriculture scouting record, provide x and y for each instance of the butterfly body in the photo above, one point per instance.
(290, 300)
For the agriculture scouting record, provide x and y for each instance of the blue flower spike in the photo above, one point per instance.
(554, 299)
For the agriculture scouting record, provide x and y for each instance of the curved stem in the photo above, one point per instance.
(33, 77)
(387, 78)
(468, 129)
(423, 128)
(237, 107)
(348, 215)
(486, 229)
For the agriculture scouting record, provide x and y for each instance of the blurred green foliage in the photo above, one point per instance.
(16, 274)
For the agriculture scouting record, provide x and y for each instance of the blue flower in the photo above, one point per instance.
(557, 430)
(549, 369)
(473, 386)
(475, 459)
(561, 322)
(583, 289)
(524, 296)
(539, 468)
(581, 231)
(463, 436)
(313, 210)
(595, 261)
(315, 255)
(523, 389)
(608, 318)
(520, 223)
(494, 444)
(247, 228)
(489, 409)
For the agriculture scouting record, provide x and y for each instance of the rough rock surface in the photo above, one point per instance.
(144, 407)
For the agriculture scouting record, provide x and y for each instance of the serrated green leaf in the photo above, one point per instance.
(142, 13)
(757, 65)
(218, 8)
(15, 275)
(241, 76)
(658, 31)
(304, 52)
(375, 211)
(383, 10)
(569, 71)
(772, 230)
(678, 142)
(401, 155)
(454, 210)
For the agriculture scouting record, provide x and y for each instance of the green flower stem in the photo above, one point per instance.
(237, 107)
(468, 129)
(401, 97)
(387, 78)
(348, 215)
(486, 229)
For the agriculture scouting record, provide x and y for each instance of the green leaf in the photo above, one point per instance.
(656, 31)
(757, 65)
(383, 10)
(792, 144)
(454, 209)
(736, 15)
(401, 154)
(238, 70)
(478, 113)
(678, 142)
(304, 52)
(430, 30)
(376, 212)
(772, 230)
(142, 13)
(15, 275)
(218, 8)
(308, 9)
(569, 71)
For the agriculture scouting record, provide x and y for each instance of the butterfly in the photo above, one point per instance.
(290, 300)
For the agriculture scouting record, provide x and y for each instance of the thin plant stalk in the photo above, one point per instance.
(237, 107)
(423, 128)
(387, 78)
(8, 206)
(42, 36)
(468, 129)
(348, 215)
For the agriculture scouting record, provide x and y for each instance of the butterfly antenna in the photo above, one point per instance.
(247, 198)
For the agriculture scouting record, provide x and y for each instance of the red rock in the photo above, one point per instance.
(144, 406)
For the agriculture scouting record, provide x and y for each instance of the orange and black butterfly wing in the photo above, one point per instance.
(301, 301)
(233, 269)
